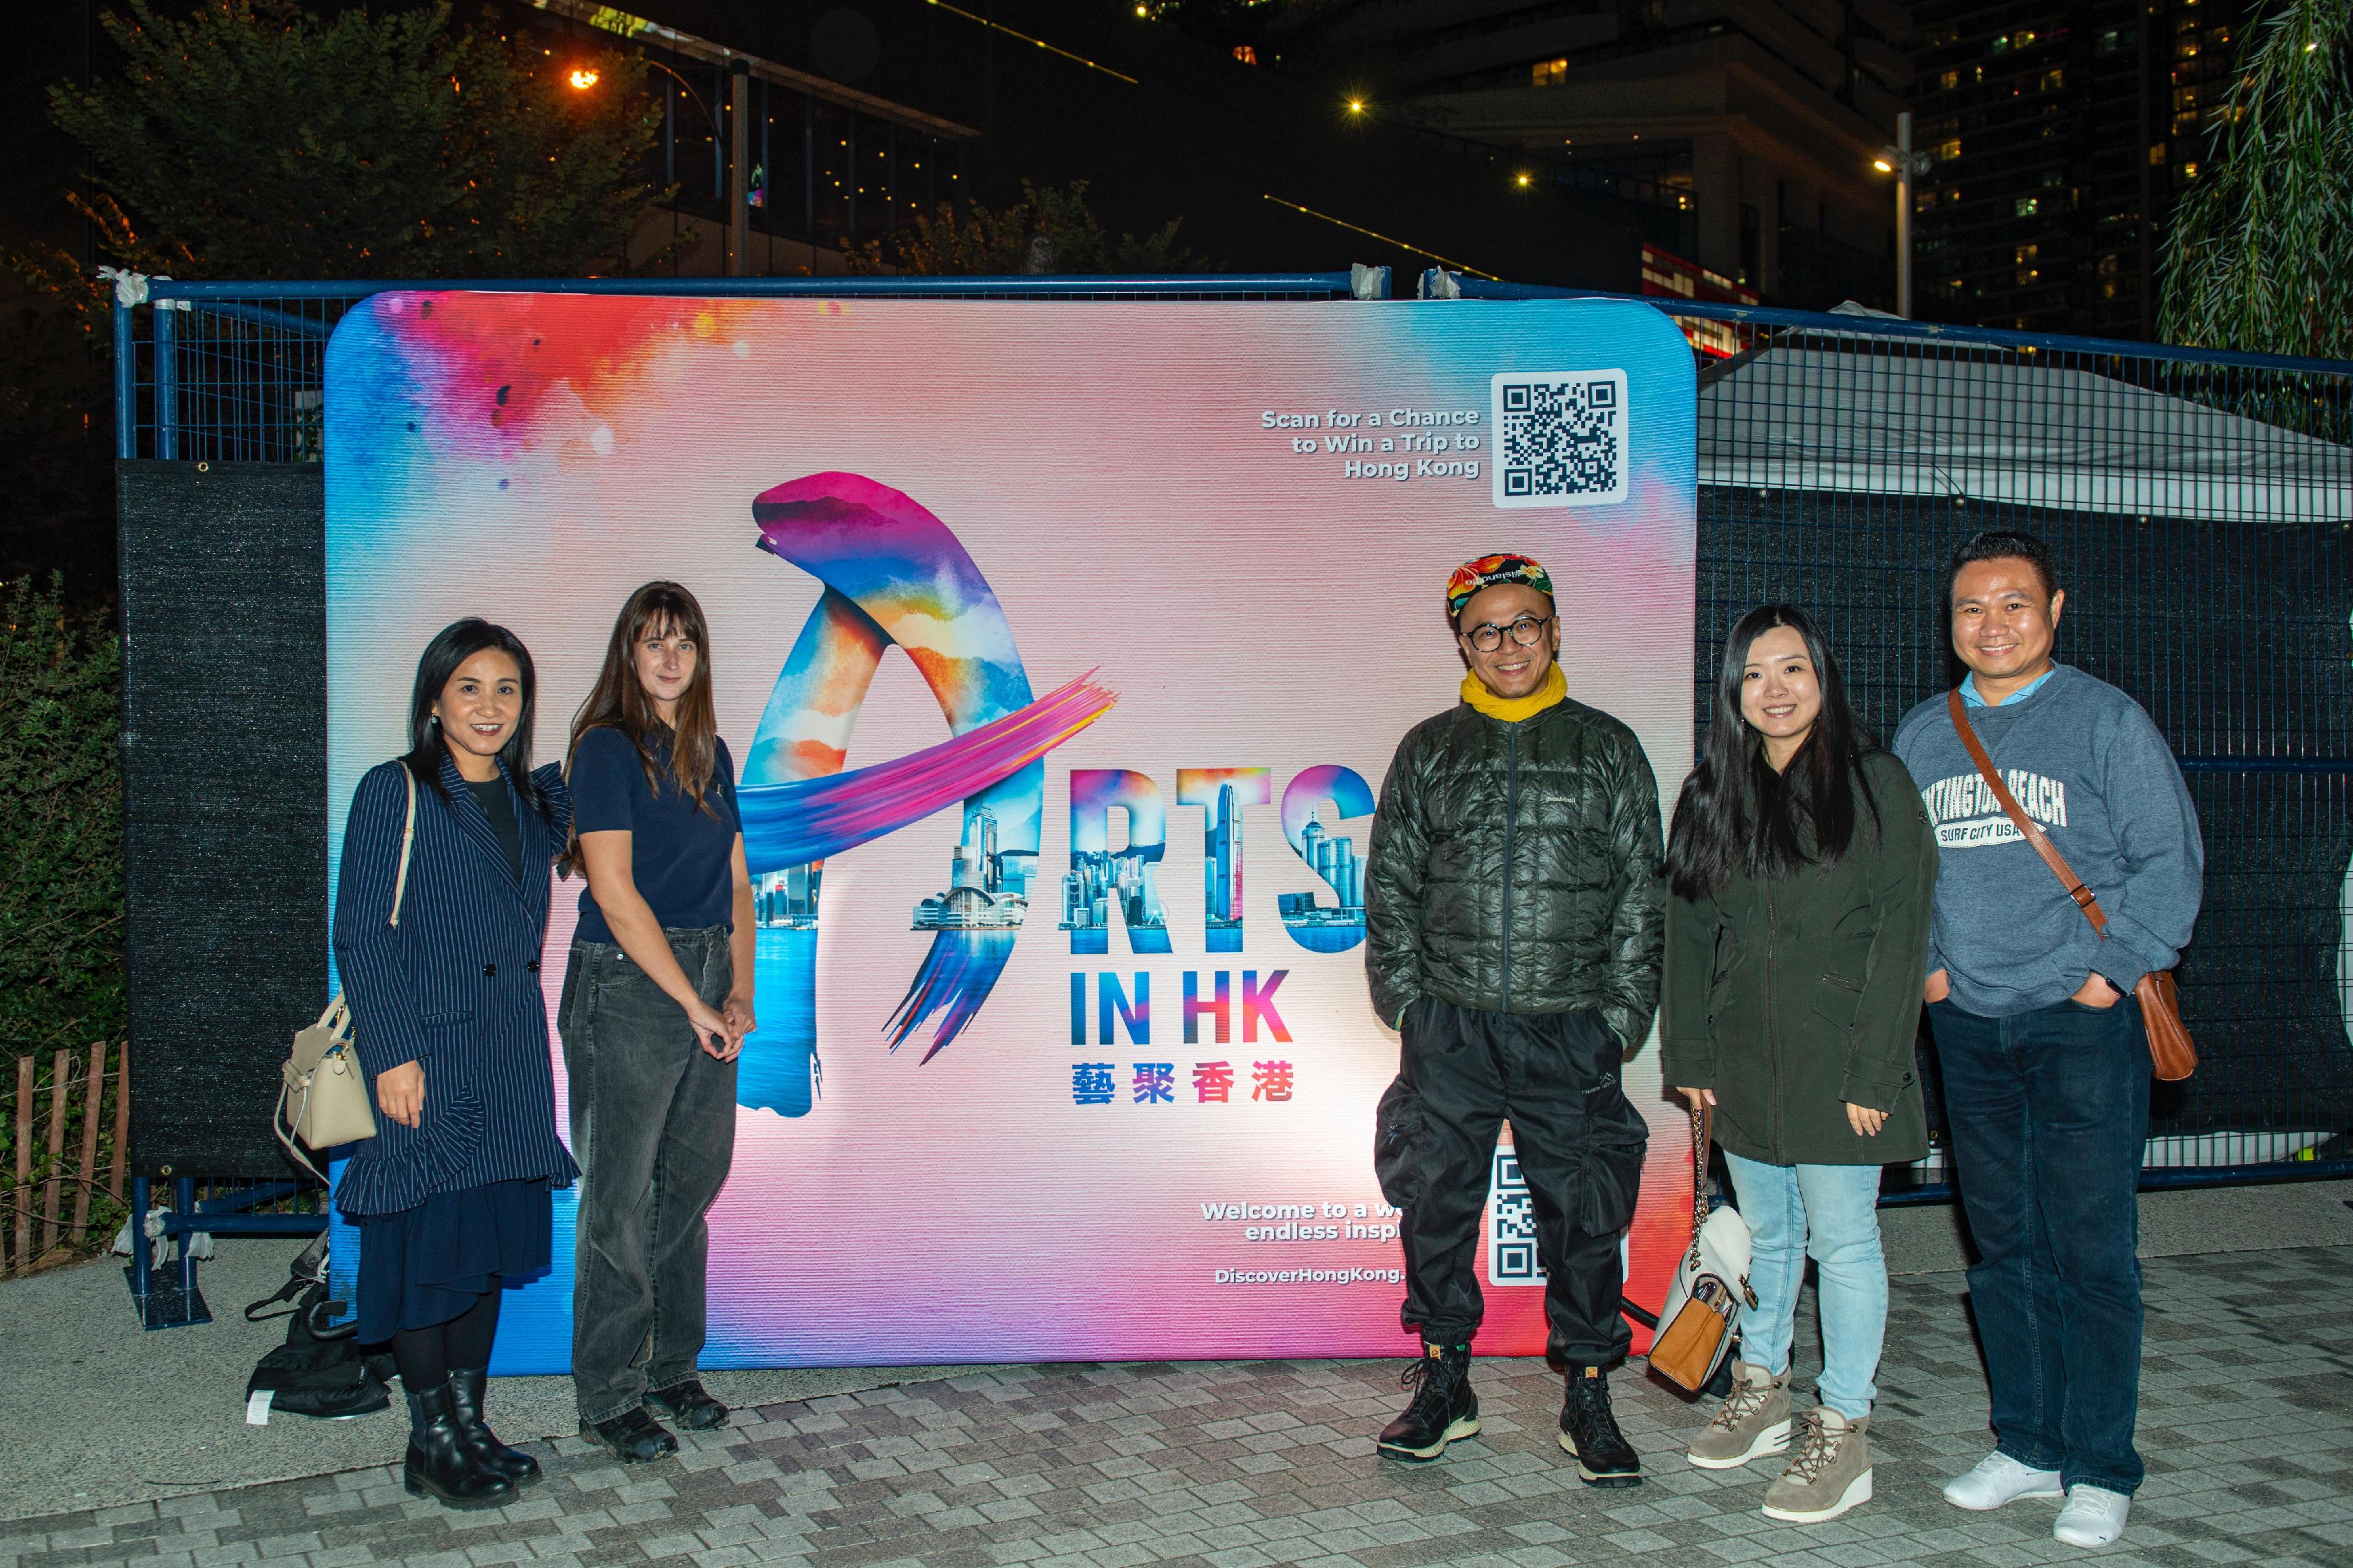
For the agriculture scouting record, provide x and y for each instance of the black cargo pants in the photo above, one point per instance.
(1579, 1143)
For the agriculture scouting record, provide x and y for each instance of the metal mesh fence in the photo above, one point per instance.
(2199, 505)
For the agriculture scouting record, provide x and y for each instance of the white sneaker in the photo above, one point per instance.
(1997, 1480)
(2093, 1516)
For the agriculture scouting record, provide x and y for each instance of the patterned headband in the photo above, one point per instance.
(1489, 570)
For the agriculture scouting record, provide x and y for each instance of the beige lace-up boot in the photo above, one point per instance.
(1754, 1422)
(1829, 1473)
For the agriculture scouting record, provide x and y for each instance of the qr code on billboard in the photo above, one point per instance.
(1511, 1227)
(1560, 437)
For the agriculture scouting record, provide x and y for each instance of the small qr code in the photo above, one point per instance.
(1511, 1227)
(1560, 437)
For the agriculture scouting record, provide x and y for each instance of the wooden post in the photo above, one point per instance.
(121, 1125)
(85, 1174)
(60, 1077)
(23, 1196)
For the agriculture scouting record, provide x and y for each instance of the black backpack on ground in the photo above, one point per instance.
(319, 1371)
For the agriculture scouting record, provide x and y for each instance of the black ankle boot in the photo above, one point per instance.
(474, 1434)
(1589, 1431)
(1443, 1409)
(438, 1465)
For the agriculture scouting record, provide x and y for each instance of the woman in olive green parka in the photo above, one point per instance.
(1802, 865)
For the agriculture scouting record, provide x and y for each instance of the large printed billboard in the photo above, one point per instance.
(1062, 647)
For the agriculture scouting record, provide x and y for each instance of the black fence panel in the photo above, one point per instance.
(225, 801)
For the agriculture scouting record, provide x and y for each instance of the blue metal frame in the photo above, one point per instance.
(178, 1303)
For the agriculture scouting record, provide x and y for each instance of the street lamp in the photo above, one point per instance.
(738, 193)
(1903, 162)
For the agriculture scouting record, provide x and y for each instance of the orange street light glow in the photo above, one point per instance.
(583, 79)
(1355, 106)
(1883, 165)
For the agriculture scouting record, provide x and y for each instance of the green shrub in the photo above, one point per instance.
(60, 828)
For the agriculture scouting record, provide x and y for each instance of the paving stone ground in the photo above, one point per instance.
(2246, 1423)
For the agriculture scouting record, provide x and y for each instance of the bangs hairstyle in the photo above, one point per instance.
(619, 700)
(451, 648)
(1737, 818)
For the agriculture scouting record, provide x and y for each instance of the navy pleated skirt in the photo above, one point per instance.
(429, 1264)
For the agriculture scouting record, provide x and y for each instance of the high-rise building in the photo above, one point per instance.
(2060, 135)
(788, 898)
(986, 891)
(1222, 866)
(1757, 121)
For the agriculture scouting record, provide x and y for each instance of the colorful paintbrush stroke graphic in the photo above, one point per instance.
(895, 575)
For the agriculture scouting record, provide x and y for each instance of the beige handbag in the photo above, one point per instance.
(324, 1098)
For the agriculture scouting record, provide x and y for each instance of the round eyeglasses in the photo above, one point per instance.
(1528, 631)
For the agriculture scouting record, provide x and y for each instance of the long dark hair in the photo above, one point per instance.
(618, 700)
(1736, 816)
(451, 647)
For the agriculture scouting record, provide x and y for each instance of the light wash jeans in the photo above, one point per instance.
(1830, 1212)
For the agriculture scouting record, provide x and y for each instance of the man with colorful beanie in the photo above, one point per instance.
(1514, 928)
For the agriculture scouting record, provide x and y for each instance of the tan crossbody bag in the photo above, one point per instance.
(2171, 1054)
(1703, 1300)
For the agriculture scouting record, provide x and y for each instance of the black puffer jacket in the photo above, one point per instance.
(1514, 870)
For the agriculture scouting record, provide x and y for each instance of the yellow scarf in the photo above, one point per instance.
(1512, 710)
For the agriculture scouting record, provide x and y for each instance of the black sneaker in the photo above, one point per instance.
(1443, 1407)
(1587, 1430)
(688, 1406)
(634, 1436)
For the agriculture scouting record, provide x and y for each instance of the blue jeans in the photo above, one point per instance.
(1833, 1213)
(2050, 1114)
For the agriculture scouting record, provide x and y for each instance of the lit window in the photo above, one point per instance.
(1549, 73)
(1949, 149)
(2027, 206)
(1246, 54)
(2053, 80)
(2156, 152)
(2109, 41)
(2001, 46)
(1949, 81)
(2189, 171)
(2020, 40)
(2027, 253)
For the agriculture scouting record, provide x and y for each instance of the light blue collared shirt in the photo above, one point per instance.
(1969, 697)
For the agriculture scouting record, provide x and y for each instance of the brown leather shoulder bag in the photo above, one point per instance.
(2171, 1054)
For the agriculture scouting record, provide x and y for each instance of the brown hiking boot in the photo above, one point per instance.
(1754, 1422)
(1829, 1473)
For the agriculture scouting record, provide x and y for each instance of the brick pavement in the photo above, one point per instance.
(2246, 1420)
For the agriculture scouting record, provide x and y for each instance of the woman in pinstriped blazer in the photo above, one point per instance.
(451, 1195)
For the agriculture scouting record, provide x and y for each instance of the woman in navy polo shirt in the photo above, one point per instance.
(657, 1002)
(437, 942)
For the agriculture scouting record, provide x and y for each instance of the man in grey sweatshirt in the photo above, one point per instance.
(2046, 1067)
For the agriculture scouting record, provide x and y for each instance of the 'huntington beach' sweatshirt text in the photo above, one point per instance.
(2086, 762)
